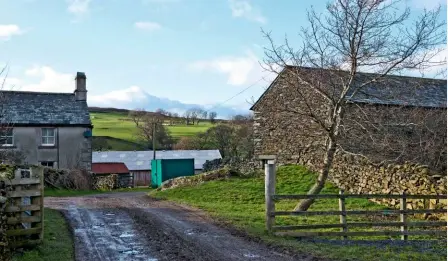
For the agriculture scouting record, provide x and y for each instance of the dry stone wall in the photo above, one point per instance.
(360, 176)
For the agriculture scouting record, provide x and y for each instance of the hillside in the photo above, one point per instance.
(114, 130)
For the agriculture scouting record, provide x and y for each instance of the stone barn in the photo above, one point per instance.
(393, 136)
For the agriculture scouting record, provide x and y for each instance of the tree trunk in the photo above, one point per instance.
(304, 204)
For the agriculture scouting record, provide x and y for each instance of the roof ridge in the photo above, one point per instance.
(367, 73)
(31, 92)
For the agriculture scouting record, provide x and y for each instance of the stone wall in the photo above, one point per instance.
(358, 175)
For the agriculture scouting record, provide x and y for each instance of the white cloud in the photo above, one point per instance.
(128, 95)
(78, 7)
(159, 1)
(8, 30)
(428, 4)
(49, 80)
(239, 70)
(243, 8)
(148, 26)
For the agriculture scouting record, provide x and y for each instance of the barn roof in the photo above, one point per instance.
(109, 168)
(141, 160)
(390, 90)
(43, 108)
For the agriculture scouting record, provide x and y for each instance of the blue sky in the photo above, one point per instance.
(194, 51)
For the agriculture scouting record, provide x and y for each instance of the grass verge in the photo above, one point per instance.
(239, 202)
(57, 244)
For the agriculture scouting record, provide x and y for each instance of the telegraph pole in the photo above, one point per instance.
(154, 139)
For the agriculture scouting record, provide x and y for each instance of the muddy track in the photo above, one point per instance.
(132, 226)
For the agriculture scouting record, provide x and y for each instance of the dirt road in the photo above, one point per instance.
(132, 226)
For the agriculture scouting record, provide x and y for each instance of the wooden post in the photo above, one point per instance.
(343, 216)
(269, 191)
(404, 227)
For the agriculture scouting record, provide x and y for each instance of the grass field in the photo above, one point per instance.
(119, 125)
(240, 202)
(58, 242)
(120, 133)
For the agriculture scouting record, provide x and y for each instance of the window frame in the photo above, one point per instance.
(45, 164)
(48, 136)
(6, 136)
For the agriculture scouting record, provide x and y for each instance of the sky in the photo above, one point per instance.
(193, 51)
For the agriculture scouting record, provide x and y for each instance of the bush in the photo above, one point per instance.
(67, 179)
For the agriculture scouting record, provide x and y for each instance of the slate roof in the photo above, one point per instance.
(390, 90)
(41, 108)
(141, 160)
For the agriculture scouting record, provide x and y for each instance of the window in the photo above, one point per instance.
(7, 137)
(49, 164)
(48, 136)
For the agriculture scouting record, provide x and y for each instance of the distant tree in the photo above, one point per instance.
(193, 115)
(187, 116)
(242, 119)
(150, 127)
(203, 115)
(212, 116)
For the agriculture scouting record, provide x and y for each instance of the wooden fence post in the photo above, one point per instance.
(404, 227)
(343, 216)
(269, 191)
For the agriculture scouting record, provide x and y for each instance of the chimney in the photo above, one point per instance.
(80, 91)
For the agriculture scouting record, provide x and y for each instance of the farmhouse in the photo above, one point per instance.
(396, 120)
(50, 129)
(139, 162)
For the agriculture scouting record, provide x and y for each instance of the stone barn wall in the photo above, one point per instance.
(280, 130)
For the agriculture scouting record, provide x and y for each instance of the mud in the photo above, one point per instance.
(132, 226)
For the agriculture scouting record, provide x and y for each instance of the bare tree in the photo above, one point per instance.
(195, 114)
(203, 115)
(187, 116)
(212, 116)
(352, 35)
(150, 127)
(7, 155)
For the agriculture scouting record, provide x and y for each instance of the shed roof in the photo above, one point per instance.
(141, 160)
(109, 168)
(390, 90)
(43, 108)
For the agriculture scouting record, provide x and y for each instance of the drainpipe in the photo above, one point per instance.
(57, 143)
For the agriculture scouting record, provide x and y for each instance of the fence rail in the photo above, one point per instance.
(345, 226)
(26, 207)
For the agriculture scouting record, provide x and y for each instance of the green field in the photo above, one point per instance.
(240, 203)
(120, 132)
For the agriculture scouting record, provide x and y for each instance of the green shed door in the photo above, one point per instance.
(155, 173)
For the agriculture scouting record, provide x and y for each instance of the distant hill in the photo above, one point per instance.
(137, 97)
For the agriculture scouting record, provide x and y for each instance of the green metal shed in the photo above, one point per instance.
(165, 169)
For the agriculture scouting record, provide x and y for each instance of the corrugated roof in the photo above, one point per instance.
(40, 108)
(141, 160)
(109, 168)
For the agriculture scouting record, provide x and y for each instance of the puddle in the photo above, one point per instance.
(126, 235)
(130, 252)
(110, 214)
(251, 256)
(189, 232)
